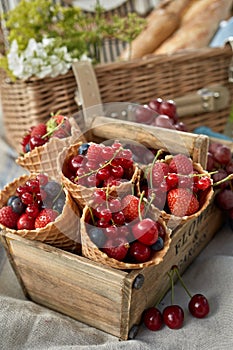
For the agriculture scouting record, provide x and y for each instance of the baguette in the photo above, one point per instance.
(161, 23)
(198, 25)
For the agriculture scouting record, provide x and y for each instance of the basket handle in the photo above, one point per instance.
(87, 94)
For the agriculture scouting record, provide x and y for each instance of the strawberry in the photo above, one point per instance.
(8, 217)
(39, 130)
(130, 205)
(58, 118)
(181, 164)
(159, 170)
(45, 217)
(182, 202)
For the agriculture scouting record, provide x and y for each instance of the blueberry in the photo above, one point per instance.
(52, 188)
(97, 236)
(18, 206)
(27, 148)
(158, 245)
(10, 199)
(83, 148)
(59, 203)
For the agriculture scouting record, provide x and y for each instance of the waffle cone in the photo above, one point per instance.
(63, 233)
(83, 195)
(44, 158)
(173, 221)
(92, 252)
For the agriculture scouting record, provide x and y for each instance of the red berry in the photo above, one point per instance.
(169, 108)
(159, 171)
(182, 202)
(181, 164)
(139, 252)
(199, 306)
(8, 217)
(130, 205)
(203, 183)
(153, 319)
(45, 217)
(25, 222)
(39, 130)
(116, 248)
(173, 316)
(146, 231)
(43, 179)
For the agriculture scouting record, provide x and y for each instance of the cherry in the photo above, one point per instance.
(146, 231)
(168, 108)
(153, 319)
(199, 306)
(139, 252)
(173, 316)
(99, 196)
(117, 171)
(172, 180)
(203, 183)
(25, 222)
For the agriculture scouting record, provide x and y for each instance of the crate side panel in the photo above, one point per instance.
(89, 293)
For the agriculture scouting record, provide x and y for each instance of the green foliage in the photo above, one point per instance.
(70, 26)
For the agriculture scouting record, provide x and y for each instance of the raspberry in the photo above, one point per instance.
(182, 202)
(181, 164)
(94, 153)
(8, 217)
(39, 130)
(45, 217)
(159, 170)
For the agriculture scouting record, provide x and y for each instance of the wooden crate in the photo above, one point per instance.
(105, 298)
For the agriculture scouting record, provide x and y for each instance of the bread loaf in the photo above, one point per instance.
(198, 25)
(161, 23)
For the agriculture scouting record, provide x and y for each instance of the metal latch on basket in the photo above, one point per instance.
(208, 99)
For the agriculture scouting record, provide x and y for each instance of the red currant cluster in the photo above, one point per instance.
(98, 165)
(220, 163)
(122, 228)
(35, 203)
(175, 185)
(173, 315)
(161, 113)
(57, 126)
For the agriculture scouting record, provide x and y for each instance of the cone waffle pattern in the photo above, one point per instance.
(64, 232)
(83, 195)
(44, 158)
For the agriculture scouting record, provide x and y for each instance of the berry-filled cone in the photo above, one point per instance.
(63, 232)
(44, 158)
(91, 251)
(82, 193)
(182, 189)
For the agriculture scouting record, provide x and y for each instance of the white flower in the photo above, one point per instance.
(41, 59)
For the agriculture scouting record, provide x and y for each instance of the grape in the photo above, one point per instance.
(224, 199)
(163, 121)
(222, 155)
(168, 108)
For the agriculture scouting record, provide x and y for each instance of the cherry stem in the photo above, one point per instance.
(92, 216)
(139, 205)
(103, 166)
(229, 177)
(182, 282)
(170, 274)
(159, 152)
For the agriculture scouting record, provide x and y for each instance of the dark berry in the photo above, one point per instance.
(52, 188)
(158, 245)
(83, 148)
(97, 236)
(173, 316)
(199, 306)
(153, 319)
(18, 206)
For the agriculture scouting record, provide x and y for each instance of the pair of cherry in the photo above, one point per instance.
(173, 315)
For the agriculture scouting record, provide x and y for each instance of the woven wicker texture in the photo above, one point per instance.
(27, 103)
(63, 233)
(205, 197)
(83, 195)
(168, 77)
(92, 252)
(44, 158)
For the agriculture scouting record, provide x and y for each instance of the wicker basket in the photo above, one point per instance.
(29, 102)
